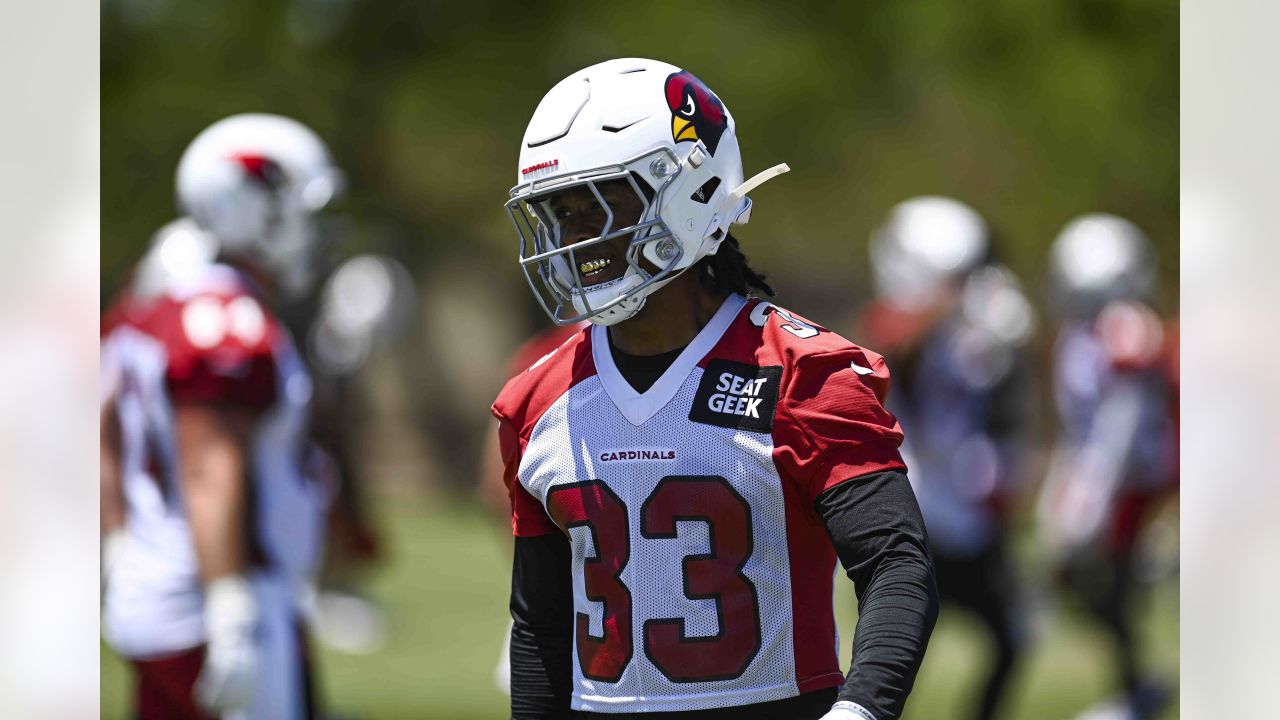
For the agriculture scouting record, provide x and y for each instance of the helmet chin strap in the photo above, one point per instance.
(623, 310)
(741, 191)
(617, 313)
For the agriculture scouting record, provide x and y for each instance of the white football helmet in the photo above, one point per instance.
(1098, 258)
(926, 244)
(256, 182)
(178, 251)
(659, 129)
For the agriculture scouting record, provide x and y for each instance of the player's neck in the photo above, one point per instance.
(670, 319)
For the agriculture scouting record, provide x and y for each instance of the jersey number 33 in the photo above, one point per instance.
(716, 575)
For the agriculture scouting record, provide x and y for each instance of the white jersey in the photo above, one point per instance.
(702, 575)
(205, 339)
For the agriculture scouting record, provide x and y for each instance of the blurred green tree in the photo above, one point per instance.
(1032, 112)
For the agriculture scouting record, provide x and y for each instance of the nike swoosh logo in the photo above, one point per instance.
(860, 370)
(616, 129)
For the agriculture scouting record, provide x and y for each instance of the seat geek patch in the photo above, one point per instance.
(735, 395)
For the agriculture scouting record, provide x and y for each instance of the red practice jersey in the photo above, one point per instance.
(702, 573)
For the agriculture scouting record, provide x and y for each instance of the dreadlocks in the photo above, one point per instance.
(727, 271)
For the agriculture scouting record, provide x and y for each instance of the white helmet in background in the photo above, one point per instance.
(926, 245)
(659, 129)
(177, 251)
(1098, 258)
(256, 182)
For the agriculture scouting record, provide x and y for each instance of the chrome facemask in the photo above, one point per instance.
(559, 287)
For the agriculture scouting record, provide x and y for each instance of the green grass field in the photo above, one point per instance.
(446, 585)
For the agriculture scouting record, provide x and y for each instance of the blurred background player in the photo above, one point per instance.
(221, 526)
(954, 326)
(176, 250)
(1115, 454)
(342, 323)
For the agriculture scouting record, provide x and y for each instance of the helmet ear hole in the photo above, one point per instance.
(705, 191)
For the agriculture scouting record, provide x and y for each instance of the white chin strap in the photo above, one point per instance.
(619, 312)
(624, 310)
(741, 191)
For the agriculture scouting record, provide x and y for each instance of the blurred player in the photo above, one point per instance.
(1114, 457)
(220, 526)
(954, 326)
(177, 250)
(685, 473)
(361, 304)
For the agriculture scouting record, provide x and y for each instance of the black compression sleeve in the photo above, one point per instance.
(541, 637)
(879, 535)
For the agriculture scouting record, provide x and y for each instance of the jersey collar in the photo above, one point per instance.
(639, 407)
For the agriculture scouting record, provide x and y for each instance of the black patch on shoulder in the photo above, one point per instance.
(736, 395)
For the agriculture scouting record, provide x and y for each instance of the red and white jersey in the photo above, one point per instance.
(702, 573)
(206, 338)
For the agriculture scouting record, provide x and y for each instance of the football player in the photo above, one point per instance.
(684, 473)
(1114, 457)
(955, 325)
(352, 314)
(176, 250)
(220, 527)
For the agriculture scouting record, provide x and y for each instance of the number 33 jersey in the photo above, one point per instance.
(702, 575)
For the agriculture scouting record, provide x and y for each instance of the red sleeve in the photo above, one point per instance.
(220, 351)
(519, 406)
(528, 517)
(539, 346)
(831, 423)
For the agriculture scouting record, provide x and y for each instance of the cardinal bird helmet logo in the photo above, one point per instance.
(262, 170)
(696, 113)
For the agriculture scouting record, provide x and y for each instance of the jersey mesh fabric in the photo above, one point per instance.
(587, 423)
